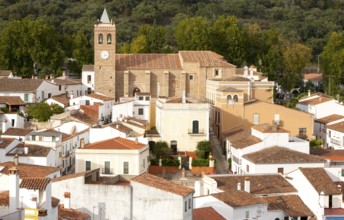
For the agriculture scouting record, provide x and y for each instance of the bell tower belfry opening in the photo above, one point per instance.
(104, 56)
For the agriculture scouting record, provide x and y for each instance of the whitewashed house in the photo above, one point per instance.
(72, 88)
(123, 109)
(163, 199)
(335, 136)
(320, 125)
(20, 134)
(182, 122)
(259, 139)
(113, 130)
(88, 78)
(29, 90)
(6, 144)
(116, 156)
(61, 100)
(318, 191)
(320, 105)
(11, 120)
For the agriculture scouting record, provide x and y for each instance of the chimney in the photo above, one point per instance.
(26, 150)
(14, 188)
(239, 186)
(42, 214)
(16, 160)
(158, 90)
(46, 77)
(52, 81)
(183, 97)
(251, 71)
(66, 201)
(245, 71)
(247, 184)
(309, 93)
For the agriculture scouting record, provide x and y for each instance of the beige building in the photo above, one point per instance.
(240, 103)
(182, 122)
(113, 156)
(123, 75)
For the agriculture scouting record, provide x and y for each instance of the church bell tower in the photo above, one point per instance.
(104, 56)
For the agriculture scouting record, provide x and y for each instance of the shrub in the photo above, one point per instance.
(200, 163)
(165, 162)
(203, 149)
(315, 144)
(230, 163)
(162, 150)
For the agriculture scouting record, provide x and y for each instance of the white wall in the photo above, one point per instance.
(100, 134)
(85, 83)
(6, 121)
(122, 110)
(334, 139)
(45, 89)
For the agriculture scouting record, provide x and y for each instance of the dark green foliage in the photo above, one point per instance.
(200, 163)
(229, 163)
(315, 144)
(161, 150)
(203, 149)
(42, 111)
(165, 162)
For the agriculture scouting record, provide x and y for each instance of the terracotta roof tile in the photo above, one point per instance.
(240, 198)
(54, 202)
(206, 213)
(281, 155)
(33, 151)
(122, 128)
(313, 76)
(232, 79)
(333, 155)
(61, 99)
(17, 131)
(34, 183)
(228, 89)
(292, 205)
(259, 184)
(162, 184)
(315, 99)
(71, 214)
(329, 118)
(65, 82)
(74, 175)
(334, 212)
(28, 170)
(321, 181)
(100, 97)
(4, 199)
(27, 85)
(337, 126)
(88, 68)
(268, 128)
(11, 100)
(205, 58)
(244, 142)
(117, 143)
(147, 61)
(4, 142)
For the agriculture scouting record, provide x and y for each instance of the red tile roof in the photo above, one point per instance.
(281, 155)
(268, 128)
(162, 184)
(313, 76)
(147, 61)
(17, 85)
(333, 155)
(34, 183)
(329, 118)
(4, 142)
(315, 100)
(205, 58)
(337, 127)
(206, 213)
(120, 127)
(88, 68)
(71, 214)
(75, 175)
(117, 143)
(65, 82)
(334, 211)
(321, 181)
(28, 170)
(100, 97)
(61, 99)
(4, 199)
(17, 131)
(12, 100)
(240, 198)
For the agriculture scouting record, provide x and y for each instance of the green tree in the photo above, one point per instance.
(26, 43)
(295, 58)
(162, 150)
(203, 149)
(81, 52)
(41, 111)
(193, 34)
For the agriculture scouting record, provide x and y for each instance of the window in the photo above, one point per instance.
(26, 97)
(89, 78)
(60, 87)
(216, 72)
(189, 203)
(247, 214)
(140, 98)
(88, 165)
(229, 99)
(247, 168)
(109, 39)
(144, 163)
(147, 98)
(125, 167)
(280, 170)
(195, 127)
(140, 111)
(191, 77)
(12, 122)
(33, 137)
(49, 95)
(100, 39)
(107, 169)
(235, 99)
(302, 132)
(185, 206)
(329, 133)
(255, 118)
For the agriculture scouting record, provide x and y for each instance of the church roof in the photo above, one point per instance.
(147, 61)
(205, 58)
(105, 18)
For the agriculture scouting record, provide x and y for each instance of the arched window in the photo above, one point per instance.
(100, 38)
(235, 99)
(109, 39)
(195, 127)
(229, 99)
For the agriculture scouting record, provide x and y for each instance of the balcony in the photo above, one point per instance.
(200, 132)
(107, 171)
(335, 141)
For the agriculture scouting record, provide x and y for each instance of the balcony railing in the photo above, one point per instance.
(107, 171)
(335, 141)
(199, 132)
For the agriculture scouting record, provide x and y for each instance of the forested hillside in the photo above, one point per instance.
(278, 36)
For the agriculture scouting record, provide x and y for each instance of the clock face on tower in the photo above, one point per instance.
(104, 54)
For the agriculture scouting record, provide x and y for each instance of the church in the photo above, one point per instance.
(169, 75)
